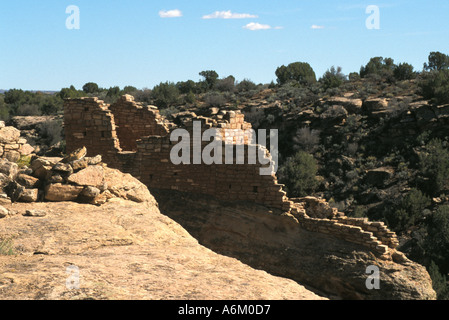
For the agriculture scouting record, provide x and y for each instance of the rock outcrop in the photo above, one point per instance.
(122, 250)
(274, 241)
(73, 178)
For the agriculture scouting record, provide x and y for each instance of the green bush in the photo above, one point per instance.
(435, 86)
(299, 174)
(165, 95)
(379, 66)
(437, 61)
(301, 72)
(404, 71)
(409, 211)
(90, 87)
(436, 243)
(333, 78)
(434, 167)
(439, 282)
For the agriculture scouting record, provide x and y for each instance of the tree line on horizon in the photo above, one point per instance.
(216, 91)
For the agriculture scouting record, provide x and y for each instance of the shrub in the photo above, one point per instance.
(226, 84)
(434, 166)
(380, 66)
(435, 86)
(51, 131)
(297, 71)
(299, 174)
(246, 85)
(404, 71)
(437, 61)
(439, 282)
(91, 87)
(409, 211)
(165, 95)
(215, 99)
(28, 110)
(333, 78)
(437, 241)
(308, 139)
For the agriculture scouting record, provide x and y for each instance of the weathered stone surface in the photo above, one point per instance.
(9, 135)
(12, 155)
(26, 149)
(126, 186)
(56, 178)
(79, 164)
(27, 181)
(8, 168)
(63, 167)
(35, 213)
(91, 176)
(75, 155)
(44, 161)
(43, 172)
(317, 208)
(375, 105)
(59, 192)
(3, 212)
(92, 161)
(29, 195)
(275, 242)
(123, 251)
(89, 194)
(4, 180)
(351, 105)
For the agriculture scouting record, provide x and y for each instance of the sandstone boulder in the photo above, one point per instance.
(9, 135)
(91, 176)
(3, 212)
(375, 105)
(12, 155)
(26, 149)
(126, 186)
(8, 168)
(29, 195)
(27, 181)
(60, 192)
(351, 105)
(317, 208)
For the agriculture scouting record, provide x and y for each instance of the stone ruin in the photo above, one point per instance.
(135, 139)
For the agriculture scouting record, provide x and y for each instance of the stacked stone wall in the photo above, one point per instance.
(133, 121)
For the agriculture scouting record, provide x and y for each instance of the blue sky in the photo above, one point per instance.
(143, 42)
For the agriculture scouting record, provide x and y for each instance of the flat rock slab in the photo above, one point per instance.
(91, 176)
(122, 251)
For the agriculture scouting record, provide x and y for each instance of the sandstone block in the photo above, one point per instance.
(12, 155)
(59, 192)
(8, 168)
(91, 176)
(27, 181)
(9, 135)
(29, 195)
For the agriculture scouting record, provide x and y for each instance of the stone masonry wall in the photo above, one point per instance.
(140, 145)
(133, 121)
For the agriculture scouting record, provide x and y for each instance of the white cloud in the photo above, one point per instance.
(316, 27)
(228, 15)
(253, 26)
(170, 13)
